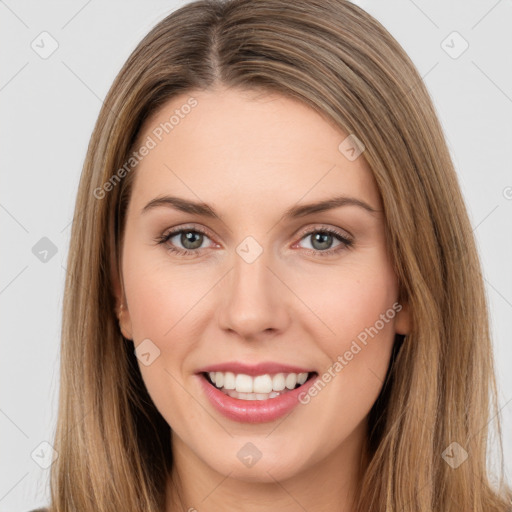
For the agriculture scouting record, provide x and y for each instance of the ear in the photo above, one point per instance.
(125, 323)
(121, 306)
(403, 319)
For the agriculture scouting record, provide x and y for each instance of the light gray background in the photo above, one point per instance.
(49, 107)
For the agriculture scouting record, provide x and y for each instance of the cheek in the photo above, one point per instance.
(356, 304)
(350, 298)
(163, 302)
(162, 295)
(354, 324)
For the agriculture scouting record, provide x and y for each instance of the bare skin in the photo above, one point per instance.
(252, 156)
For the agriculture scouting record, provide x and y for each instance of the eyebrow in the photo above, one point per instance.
(205, 210)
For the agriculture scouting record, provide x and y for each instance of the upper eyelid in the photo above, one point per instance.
(323, 227)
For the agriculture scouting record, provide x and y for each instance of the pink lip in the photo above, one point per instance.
(254, 411)
(254, 369)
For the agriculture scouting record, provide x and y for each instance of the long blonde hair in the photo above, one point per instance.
(113, 444)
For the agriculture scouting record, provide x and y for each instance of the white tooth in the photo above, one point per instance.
(278, 382)
(262, 384)
(261, 396)
(302, 377)
(229, 380)
(247, 396)
(243, 383)
(291, 380)
(273, 394)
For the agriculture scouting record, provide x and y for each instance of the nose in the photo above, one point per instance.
(254, 301)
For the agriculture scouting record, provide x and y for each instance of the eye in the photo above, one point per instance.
(190, 239)
(322, 240)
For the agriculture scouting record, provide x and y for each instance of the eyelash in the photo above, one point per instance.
(346, 243)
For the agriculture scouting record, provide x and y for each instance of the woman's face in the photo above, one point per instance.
(262, 282)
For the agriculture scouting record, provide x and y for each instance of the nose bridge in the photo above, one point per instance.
(253, 302)
(250, 268)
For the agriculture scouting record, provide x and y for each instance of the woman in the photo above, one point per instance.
(274, 300)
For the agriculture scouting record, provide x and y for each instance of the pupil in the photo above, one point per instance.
(321, 238)
(188, 238)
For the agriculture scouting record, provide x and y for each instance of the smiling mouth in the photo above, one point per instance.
(259, 387)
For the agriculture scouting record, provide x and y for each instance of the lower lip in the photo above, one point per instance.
(254, 411)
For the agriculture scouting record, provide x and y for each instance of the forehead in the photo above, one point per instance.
(246, 145)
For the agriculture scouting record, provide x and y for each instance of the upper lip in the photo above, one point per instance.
(253, 369)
